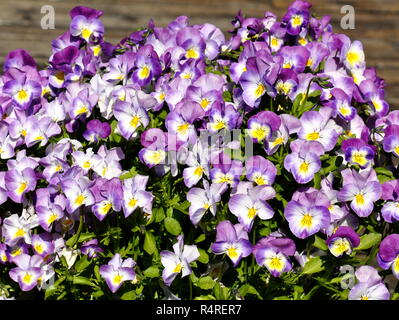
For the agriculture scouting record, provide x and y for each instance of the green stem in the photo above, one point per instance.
(191, 287)
(80, 228)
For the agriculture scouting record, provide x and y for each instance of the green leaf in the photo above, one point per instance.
(82, 281)
(314, 265)
(151, 272)
(384, 174)
(206, 283)
(82, 264)
(227, 96)
(172, 226)
(159, 214)
(149, 243)
(320, 243)
(200, 238)
(204, 257)
(369, 240)
(207, 297)
(130, 295)
(221, 292)
(82, 238)
(247, 289)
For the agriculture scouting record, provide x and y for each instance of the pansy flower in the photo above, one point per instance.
(304, 161)
(107, 195)
(135, 195)
(343, 240)
(260, 170)
(358, 152)
(318, 126)
(370, 285)
(28, 271)
(388, 254)
(362, 189)
(390, 193)
(262, 125)
(77, 193)
(202, 200)
(306, 220)
(23, 91)
(232, 240)
(178, 261)
(118, 271)
(248, 206)
(91, 248)
(273, 252)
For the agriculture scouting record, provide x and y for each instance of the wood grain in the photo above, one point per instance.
(377, 24)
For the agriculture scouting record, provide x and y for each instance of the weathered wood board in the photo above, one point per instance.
(377, 24)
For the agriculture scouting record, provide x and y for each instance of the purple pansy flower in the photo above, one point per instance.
(388, 254)
(232, 240)
(135, 195)
(27, 272)
(96, 130)
(108, 195)
(343, 240)
(370, 285)
(178, 261)
(273, 252)
(91, 248)
(358, 152)
(247, 206)
(362, 189)
(118, 271)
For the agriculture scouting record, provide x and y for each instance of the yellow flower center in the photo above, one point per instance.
(144, 72)
(27, 278)
(20, 233)
(52, 218)
(260, 90)
(86, 33)
(22, 95)
(260, 181)
(304, 167)
(276, 263)
(178, 268)
(306, 221)
(352, 57)
(86, 164)
(252, 213)
(117, 279)
(204, 103)
(132, 202)
(232, 252)
(192, 54)
(182, 129)
(105, 208)
(313, 136)
(22, 187)
(135, 121)
(156, 156)
(359, 158)
(81, 110)
(259, 133)
(80, 199)
(296, 21)
(359, 198)
(198, 171)
(38, 248)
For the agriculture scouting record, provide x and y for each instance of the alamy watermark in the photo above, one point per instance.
(48, 20)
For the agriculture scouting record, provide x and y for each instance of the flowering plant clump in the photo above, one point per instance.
(178, 164)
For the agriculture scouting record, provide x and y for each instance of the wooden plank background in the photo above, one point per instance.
(377, 24)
